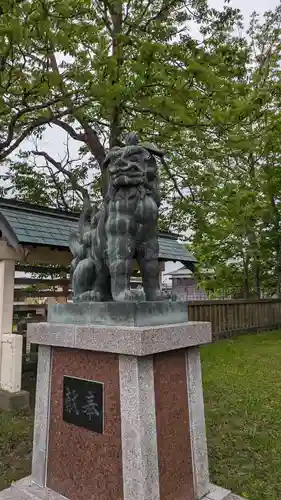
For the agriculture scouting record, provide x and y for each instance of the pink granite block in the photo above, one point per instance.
(81, 463)
(172, 422)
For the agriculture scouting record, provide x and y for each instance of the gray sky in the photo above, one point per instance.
(247, 6)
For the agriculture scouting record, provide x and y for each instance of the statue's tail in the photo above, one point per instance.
(84, 224)
(75, 245)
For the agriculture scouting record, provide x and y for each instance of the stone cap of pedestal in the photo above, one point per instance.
(137, 341)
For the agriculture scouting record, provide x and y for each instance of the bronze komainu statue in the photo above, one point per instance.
(125, 228)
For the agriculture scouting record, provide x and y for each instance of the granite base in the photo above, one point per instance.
(153, 390)
(153, 444)
(14, 401)
(25, 489)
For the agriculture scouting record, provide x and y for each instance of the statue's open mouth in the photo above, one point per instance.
(129, 176)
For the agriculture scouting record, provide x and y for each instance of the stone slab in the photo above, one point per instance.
(13, 401)
(218, 493)
(11, 494)
(32, 491)
(25, 489)
(7, 495)
(136, 341)
(119, 313)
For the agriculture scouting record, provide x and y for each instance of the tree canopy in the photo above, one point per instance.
(98, 69)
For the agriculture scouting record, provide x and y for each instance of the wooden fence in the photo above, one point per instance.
(230, 317)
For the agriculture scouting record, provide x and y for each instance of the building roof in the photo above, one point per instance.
(27, 224)
(182, 272)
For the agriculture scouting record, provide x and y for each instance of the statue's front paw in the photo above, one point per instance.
(89, 296)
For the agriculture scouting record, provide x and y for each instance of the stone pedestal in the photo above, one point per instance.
(151, 442)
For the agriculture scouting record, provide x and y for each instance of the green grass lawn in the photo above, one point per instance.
(15, 447)
(242, 390)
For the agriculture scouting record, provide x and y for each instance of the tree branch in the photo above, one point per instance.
(91, 137)
(76, 186)
(173, 179)
(37, 123)
(57, 186)
(167, 119)
(19, 115)
(70, 130)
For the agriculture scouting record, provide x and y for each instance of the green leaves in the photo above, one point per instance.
(98, 69)
(241, 206)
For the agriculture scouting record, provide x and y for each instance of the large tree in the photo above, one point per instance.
(97, 69)
(241, 212)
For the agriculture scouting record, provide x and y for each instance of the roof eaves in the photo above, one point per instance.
(16, 205)
(8, 232)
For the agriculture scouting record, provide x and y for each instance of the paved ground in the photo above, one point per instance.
(218, 493)
(233, 497)
(24, 490)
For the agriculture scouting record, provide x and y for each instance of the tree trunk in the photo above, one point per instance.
(116, 17)
(278, 268)
(257, 278)
(246, 277)
(276, 225)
